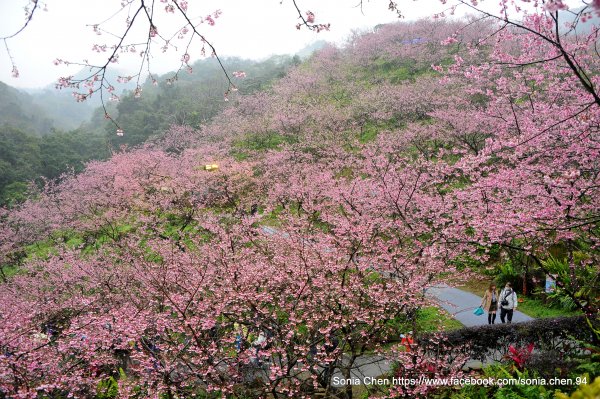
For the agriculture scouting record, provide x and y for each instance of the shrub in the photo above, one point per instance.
(560, 344)
(584, 391)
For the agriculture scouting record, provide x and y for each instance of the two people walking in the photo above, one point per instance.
(506, 302)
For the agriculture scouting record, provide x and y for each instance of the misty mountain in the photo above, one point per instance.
(80, 132)
(311, 48)
(19, 110)
(64, 110)
(187, 98)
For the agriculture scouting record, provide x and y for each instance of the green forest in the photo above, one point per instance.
(34, 145)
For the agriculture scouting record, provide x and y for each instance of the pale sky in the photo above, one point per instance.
(252, 29)
(247, 28)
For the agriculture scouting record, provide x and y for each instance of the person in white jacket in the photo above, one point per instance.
(508, 303)
(258, 344)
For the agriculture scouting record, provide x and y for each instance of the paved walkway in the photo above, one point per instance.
(366, 366)
(458, 303)
(461, 305)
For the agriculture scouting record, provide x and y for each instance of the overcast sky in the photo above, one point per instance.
(246, 28)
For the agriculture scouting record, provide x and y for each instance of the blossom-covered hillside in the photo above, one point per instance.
(297, 233)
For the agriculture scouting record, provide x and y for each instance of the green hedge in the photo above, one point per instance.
(560, 344)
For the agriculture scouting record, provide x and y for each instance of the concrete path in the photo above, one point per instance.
(365, 367)
(461, 305)
(458, 303)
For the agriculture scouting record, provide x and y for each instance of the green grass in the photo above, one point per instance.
(71, 240)
(432, 318)
(257, 142)
(429, 319)
(8, 271)
(474, 286)
(533, 307)
(41, 249)
(371, 129)
(538, 309)
(395, 70)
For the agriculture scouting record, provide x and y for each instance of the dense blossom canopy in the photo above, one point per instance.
(359, 180)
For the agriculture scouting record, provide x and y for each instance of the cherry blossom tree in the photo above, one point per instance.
(157, 309)
(533, 166)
